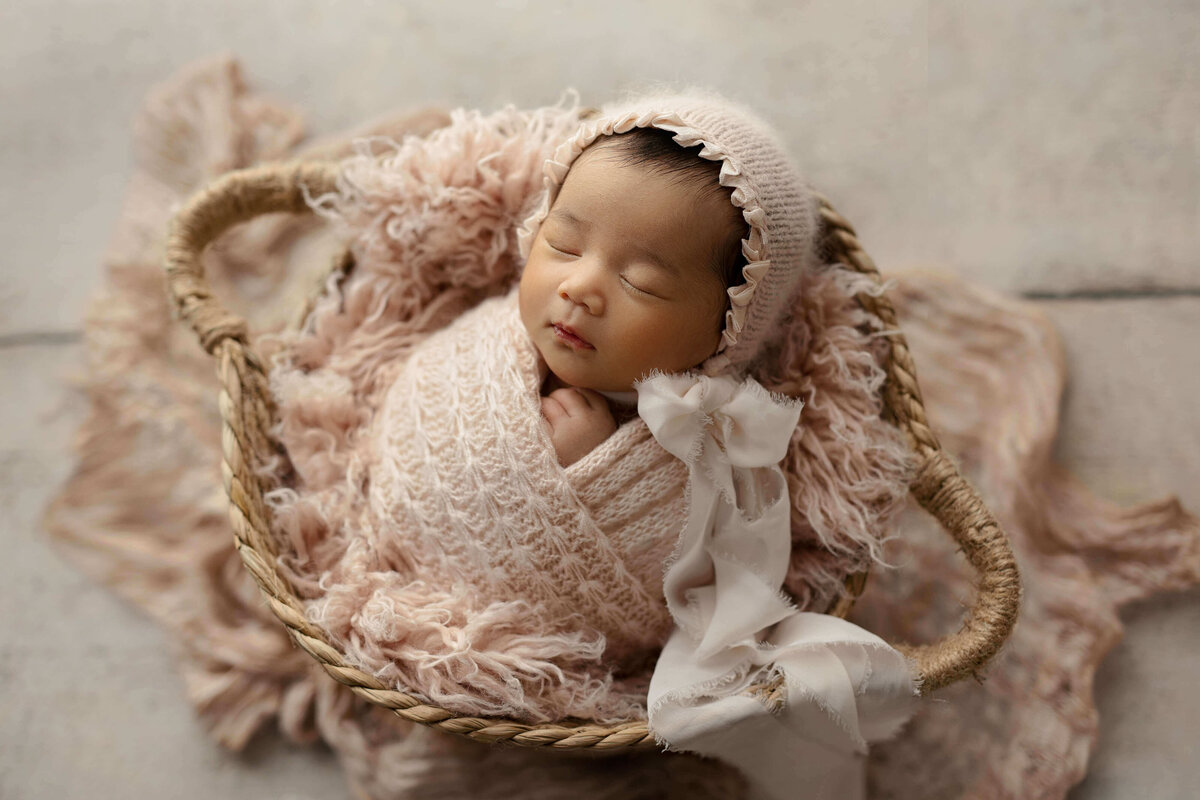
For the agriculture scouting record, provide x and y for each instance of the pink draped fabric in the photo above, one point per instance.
(143, 512)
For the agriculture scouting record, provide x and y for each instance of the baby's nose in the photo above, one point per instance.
(583, 290)
(591, 302)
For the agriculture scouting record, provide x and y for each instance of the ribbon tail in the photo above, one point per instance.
(772, 755)
(690, 567)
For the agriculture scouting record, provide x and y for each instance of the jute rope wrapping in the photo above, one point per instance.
(247, 414)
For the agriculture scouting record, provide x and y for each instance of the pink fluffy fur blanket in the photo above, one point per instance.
(144, 512)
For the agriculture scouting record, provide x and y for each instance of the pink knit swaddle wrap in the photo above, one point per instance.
(485, 561)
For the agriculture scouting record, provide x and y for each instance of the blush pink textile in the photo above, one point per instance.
(143, 510)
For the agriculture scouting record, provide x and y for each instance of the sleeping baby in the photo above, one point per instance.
(628, 275)
(576, 496)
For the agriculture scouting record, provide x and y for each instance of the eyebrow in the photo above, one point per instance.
(558, 213)
(561, 214)
(658, 261)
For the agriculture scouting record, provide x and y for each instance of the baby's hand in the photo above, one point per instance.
(579, 420)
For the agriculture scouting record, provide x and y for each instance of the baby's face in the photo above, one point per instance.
(618, 281)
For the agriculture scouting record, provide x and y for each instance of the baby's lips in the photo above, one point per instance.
(568, 334)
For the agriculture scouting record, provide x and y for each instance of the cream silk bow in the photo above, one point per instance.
(735, 626)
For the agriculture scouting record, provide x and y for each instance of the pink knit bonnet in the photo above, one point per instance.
(777, 205)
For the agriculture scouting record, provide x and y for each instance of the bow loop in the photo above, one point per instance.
(750, 426)
(673, 409)
(743, 421)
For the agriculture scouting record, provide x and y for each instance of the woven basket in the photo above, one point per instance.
(247, 415)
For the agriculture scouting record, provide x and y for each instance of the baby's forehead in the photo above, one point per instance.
(654, 150)
(696, 179)
(638, 198)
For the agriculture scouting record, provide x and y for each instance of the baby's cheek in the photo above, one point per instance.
(524, 306)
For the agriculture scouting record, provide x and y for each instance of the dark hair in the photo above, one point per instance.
(657, 150)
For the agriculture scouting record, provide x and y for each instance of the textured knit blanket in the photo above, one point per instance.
(144, 509)
(487, 577)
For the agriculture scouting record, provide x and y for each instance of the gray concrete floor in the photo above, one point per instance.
(1046, 148)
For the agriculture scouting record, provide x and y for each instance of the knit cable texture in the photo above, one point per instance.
(546, 568)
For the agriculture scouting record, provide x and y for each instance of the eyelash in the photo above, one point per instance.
(624, 281)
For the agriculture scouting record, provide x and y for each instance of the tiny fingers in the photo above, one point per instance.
(594, 400)
(571, 399)
(553, 410)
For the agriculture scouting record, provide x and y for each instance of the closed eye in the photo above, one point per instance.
(634, 289)
(562, 251)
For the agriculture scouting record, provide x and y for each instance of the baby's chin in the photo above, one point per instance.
(574, 372)
(565, 374)
(584, 382)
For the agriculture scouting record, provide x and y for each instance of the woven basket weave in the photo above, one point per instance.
(247, 415)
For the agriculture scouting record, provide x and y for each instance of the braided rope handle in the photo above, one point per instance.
(942, 491)
(247, 415)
